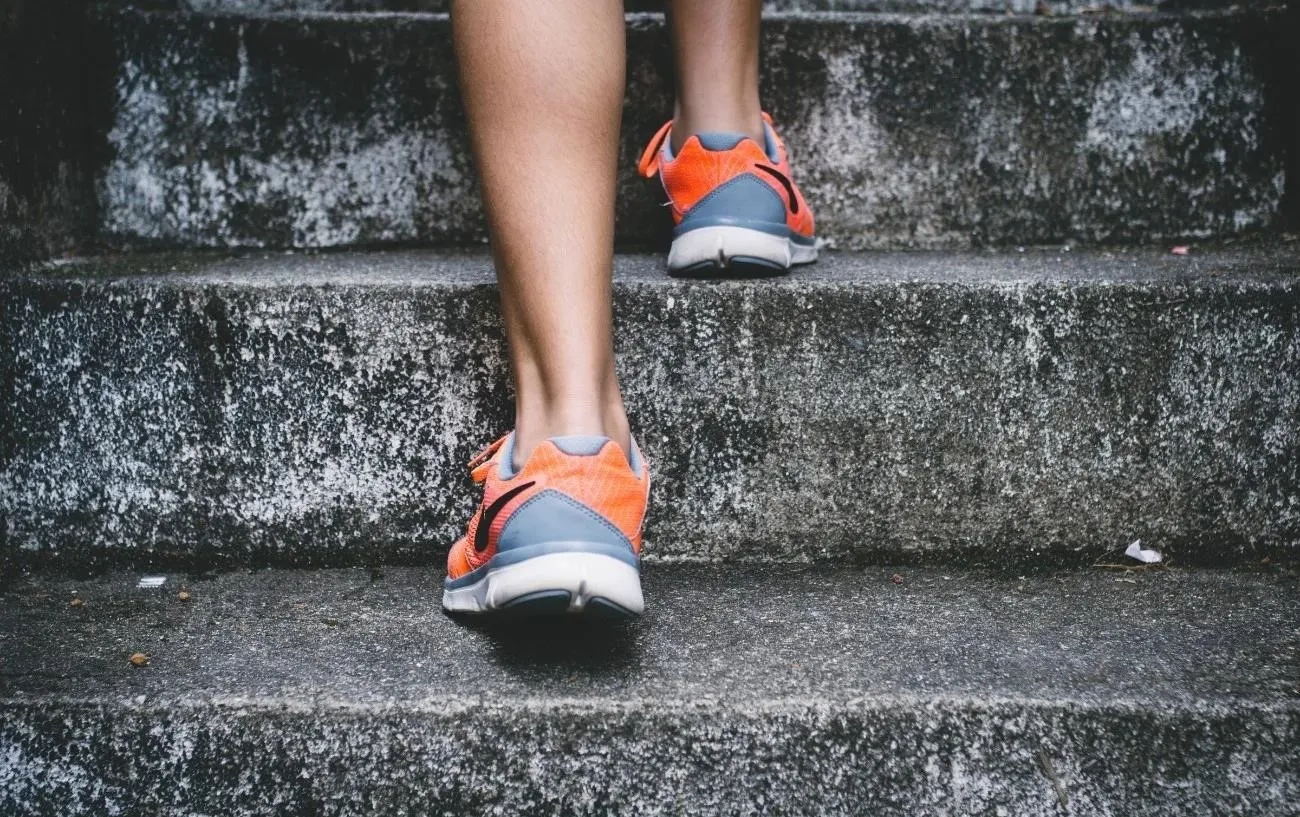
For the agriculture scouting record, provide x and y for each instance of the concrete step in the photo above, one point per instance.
(769, 6)
(326, 130)
(744, 691)
(1047, 406)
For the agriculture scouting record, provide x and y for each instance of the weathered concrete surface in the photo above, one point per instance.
(769, 6)
(1044, 406)
(47, 197)
(318, 130)
(744, 691)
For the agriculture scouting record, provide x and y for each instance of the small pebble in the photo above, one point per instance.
(139, 659)
(76, 602)
(896, 579)
(184, 595)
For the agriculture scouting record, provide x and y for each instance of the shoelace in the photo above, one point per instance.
(478, 464)
(649, 164)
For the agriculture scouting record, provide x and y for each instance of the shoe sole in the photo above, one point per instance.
(729, 251)
(553, 584)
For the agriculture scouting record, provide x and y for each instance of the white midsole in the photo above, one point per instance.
(583, 575)
(723, 243)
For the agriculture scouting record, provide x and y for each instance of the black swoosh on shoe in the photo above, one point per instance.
(785, 182)
(489, 515)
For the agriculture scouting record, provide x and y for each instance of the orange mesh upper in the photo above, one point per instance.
(602, 482)
(695, 172)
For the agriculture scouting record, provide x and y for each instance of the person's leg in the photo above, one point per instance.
(543, 86)
(715, 43)
(559, 526)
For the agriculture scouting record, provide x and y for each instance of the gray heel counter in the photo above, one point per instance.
(552, 516)
(744, 199)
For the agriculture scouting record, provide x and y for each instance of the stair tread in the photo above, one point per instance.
(732, 636)
(1271, 261)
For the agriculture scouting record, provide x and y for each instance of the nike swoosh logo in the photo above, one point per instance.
(785, 182)
(490, 514)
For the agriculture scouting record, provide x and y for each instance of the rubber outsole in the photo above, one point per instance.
(733, 251)
(736, 267)
(541, 603)
(575, 581)
(548, 603)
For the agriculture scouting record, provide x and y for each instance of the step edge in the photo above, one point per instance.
(309, 701)
(651, 19)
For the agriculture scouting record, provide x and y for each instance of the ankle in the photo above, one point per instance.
(602, 420)
(737, 119)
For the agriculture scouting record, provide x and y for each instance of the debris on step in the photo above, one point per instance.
(1143, 555)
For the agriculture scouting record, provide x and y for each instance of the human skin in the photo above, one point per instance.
(543, 85)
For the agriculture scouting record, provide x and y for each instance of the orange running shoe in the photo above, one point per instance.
(734, 204)
(561, 534)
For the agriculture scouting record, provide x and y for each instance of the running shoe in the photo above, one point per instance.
(562, 534)
(735, 207)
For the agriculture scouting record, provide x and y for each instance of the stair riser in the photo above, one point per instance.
(283, 422)
(872, 758)
(941, 6)
(913, 132)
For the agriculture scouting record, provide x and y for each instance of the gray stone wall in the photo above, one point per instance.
(905, 131)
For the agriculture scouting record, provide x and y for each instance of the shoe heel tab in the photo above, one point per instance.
(591, 445)
(580, 445)
(720, 141)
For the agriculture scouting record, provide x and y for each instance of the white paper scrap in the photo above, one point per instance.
(1136, 551)
(151, 582)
